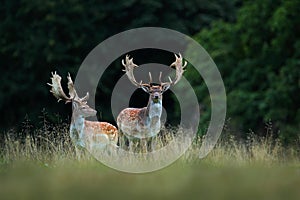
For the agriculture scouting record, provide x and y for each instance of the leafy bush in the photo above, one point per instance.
(259, 57)
(37, 37)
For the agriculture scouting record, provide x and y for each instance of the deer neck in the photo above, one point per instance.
(154, 110)
(78, 122)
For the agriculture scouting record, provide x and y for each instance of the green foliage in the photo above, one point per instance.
(37, 37)
(259, 57)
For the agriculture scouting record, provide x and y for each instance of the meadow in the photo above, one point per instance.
(43, 168)
(255, 45)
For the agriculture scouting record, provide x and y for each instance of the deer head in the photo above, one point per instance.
(79, 105)
(155, 90)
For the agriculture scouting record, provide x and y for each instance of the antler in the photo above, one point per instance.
(179, 68)
(73, 93)
(129, 67)
(56, 88)
(58, 92)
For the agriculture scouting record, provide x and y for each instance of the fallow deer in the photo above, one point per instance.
(143, 123)
(83, 133)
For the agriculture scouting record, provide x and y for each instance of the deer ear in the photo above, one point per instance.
(74, 104)
(85, 98)
(165, 87)
(146, 88)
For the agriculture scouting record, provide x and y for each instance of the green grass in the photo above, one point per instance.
(258, 168)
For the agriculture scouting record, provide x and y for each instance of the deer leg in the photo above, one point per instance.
(121, 139)
(79, 144)
(124, 142)
(144, 145)
(151, 144)
(156, 143)
(79, 151)
(131, 146)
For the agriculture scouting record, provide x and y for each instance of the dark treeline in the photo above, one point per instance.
(259, 58)
(255, 44)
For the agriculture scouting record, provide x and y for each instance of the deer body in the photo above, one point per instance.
(143, 122)
(83, 133)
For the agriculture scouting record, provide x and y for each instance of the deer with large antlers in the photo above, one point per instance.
(144, 123)
(83, 133)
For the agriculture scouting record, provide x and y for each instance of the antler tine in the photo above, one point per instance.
(85, 98)
(178, 67)
(72, 91)
(163, 83)
(129, 67)
(150, 77)
(160, 73)
(56, 88)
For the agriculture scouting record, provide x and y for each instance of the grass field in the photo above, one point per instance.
(253, 169)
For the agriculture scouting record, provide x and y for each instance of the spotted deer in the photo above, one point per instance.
(83, 133)
(143, 123)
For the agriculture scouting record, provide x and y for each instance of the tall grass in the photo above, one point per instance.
(51, 144)
(42, 163)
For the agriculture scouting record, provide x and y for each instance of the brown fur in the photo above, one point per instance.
(102, 128)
